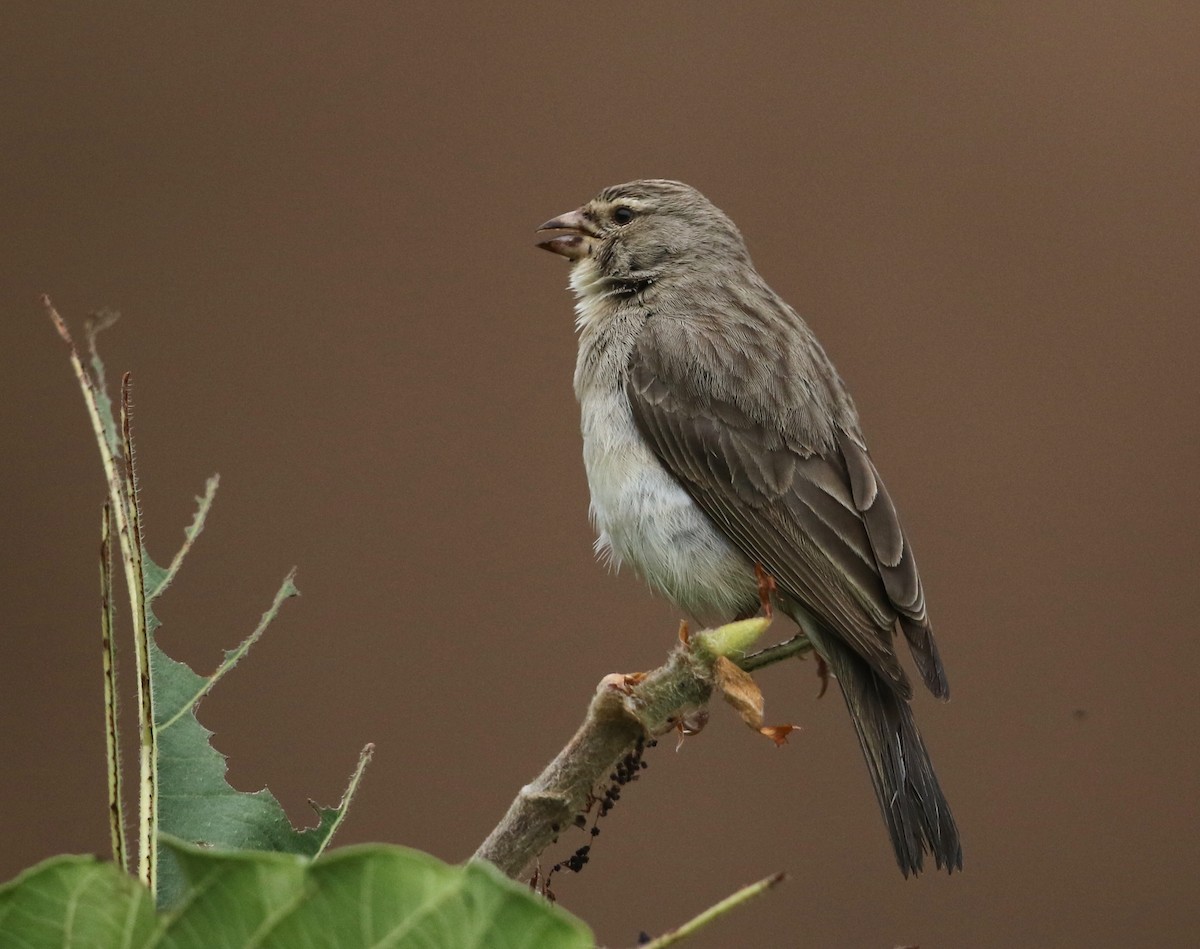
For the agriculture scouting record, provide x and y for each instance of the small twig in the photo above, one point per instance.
(798, 645)
(732, 902)
(623, 710)
(364, 759)
(116, 812)
(147, 732)
(203, 506)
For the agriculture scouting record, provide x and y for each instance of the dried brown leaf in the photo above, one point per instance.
(742, 692)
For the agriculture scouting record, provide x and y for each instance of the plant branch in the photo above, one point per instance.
(115, 455)
(623, 710)
(798, 645)
(732, 902)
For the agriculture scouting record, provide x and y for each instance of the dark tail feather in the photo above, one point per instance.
(914, 808)
(925, 654)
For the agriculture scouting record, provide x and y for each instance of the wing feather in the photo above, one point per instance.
(817, 517)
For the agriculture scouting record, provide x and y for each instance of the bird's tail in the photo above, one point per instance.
(914, 808)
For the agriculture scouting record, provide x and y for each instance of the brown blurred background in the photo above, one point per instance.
(317, 221)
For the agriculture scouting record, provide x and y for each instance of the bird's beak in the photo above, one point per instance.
(576, 243)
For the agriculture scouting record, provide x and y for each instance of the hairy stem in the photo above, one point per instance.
(118, 472)
(623, 710)
(116, 812)
(147, 734)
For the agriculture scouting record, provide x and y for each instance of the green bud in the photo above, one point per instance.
(732, 639)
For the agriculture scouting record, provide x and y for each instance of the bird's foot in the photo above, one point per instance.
(766, 589)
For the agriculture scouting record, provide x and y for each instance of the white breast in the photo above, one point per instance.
(643, 517)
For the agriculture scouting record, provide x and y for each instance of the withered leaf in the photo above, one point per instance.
(742, 692)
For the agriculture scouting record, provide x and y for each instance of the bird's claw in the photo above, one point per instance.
(766, 589)
(823, 675)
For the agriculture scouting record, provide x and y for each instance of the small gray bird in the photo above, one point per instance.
(720, 444)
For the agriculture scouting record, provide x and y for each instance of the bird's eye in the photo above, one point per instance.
(622, 215)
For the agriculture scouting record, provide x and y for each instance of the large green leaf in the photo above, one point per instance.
(370, 896)
(75, 903)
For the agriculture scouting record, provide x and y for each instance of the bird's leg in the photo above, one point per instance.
(766, 589)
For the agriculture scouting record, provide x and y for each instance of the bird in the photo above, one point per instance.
(721, 446)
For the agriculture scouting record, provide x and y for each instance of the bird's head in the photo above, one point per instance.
(635, 232)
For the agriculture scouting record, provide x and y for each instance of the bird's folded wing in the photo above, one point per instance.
(815, 517)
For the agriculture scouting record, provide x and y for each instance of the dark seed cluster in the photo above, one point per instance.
(629, 768)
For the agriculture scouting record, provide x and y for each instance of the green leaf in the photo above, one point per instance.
(195, 801)
(69, 902)
(370, 896)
